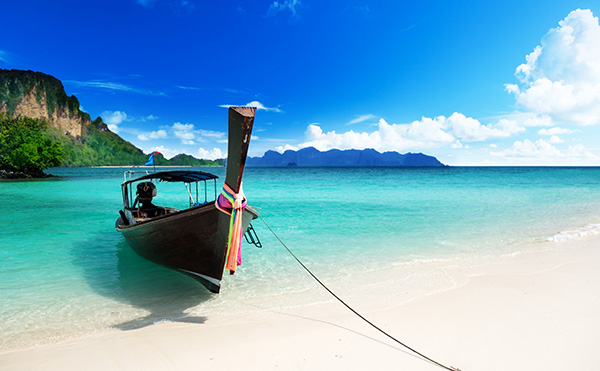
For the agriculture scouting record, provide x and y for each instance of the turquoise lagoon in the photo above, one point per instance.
(66, 272)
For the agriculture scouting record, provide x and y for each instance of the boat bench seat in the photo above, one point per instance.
(150, 212)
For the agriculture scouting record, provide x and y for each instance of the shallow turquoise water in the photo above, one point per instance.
(65, 271)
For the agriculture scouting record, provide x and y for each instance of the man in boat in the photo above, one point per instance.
(146, 191)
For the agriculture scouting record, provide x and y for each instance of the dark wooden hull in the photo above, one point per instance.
(194, 241)
(191, 241)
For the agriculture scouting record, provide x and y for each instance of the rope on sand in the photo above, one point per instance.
(449, 368)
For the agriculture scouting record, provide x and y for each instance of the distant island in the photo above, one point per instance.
(311, 156)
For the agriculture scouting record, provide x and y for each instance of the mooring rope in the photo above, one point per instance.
(450, 368)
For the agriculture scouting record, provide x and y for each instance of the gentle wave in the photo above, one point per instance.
(588, 230)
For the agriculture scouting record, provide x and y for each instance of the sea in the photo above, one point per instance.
(65, 272)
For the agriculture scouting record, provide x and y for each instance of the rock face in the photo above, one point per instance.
(41, 96)
(367, 157)
(61, 119)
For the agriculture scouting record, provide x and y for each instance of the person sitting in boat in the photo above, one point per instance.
(146, 191)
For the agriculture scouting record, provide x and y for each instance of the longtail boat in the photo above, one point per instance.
(202, 238)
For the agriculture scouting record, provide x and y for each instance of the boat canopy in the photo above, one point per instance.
(186, 176)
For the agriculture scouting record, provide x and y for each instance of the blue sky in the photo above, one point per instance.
(472, 83)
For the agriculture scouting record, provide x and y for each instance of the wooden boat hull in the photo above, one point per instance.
(192, 241)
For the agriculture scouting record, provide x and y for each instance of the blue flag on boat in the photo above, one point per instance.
(151, 158)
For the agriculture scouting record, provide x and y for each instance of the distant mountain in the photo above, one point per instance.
(187, 160)
(85, 142)
(352, 157)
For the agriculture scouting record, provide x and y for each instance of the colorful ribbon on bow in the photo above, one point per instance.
(233, 204)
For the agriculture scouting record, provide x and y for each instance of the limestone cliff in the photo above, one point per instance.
(60, 118)
(41, 96)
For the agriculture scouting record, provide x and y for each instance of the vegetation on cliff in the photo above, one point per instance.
(97, 148)
(25, 148)
(97, 145)
(186, 160)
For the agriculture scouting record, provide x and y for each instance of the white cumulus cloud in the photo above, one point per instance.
(183, 127)
(425, 133)
(471, 130)
(537, 120)
(149, 118)
(555, 139)
(113, 119)
(561, 77)
(185, 132)
(158, 134)
(542, 152)
(188, 134)
(554, 131)
(213, 154)
(211, 134)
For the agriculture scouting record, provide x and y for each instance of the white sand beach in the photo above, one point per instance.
(538, 310)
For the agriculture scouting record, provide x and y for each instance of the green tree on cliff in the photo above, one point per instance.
(24, 147)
